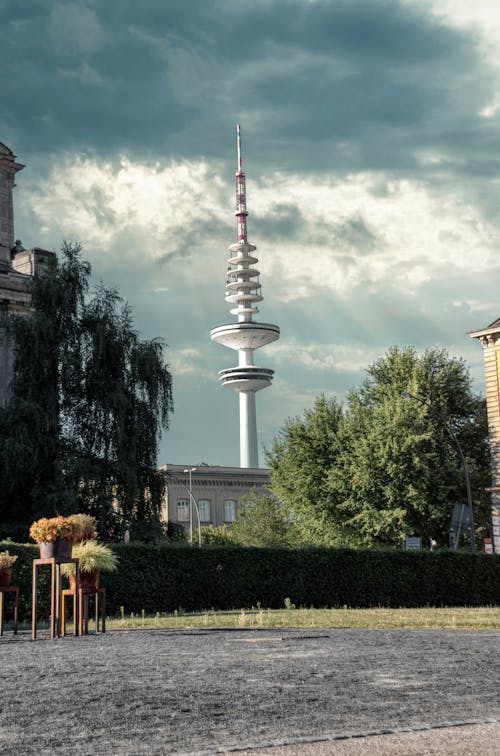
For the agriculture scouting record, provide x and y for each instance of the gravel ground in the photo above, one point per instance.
(278, 691)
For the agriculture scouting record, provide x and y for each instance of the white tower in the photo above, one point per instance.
(245, 335)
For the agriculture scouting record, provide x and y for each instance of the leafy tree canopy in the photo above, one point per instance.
(88, 402)
(260, 521)
(392, 469)
(300, 460)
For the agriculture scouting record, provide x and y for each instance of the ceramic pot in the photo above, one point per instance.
(5, 576)
(87, 579)
(60, 549)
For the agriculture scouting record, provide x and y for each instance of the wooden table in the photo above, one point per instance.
(55, 594)
(9, 589)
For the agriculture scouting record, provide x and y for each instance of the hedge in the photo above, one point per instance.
(166, 577)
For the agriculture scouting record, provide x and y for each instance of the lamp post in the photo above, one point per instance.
(192, 501)
(407, 395)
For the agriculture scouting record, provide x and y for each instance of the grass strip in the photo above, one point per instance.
(467, 618)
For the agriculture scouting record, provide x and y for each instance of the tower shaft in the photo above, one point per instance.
(245, 335)
(249, 454)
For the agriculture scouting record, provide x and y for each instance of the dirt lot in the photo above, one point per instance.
(212, 691)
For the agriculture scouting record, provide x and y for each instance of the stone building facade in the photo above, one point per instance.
(8, 170)
(17, 265)
(489, 338)
(215, 490)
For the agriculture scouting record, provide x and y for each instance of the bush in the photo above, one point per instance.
(220, 535)
(163, 577)
(155, 531)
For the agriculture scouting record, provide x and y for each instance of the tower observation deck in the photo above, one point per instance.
(244, 335)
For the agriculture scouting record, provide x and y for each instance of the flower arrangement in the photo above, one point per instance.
(93, 557)
(85, 527)
(6, 560)
(50, 529)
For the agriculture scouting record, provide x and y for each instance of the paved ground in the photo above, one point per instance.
(253, 691)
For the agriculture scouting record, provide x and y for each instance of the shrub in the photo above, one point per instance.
(163, 577)
(220, 535)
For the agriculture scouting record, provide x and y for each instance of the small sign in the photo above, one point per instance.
(488, 545)
(413, 544)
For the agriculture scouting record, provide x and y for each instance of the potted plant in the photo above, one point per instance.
(54, 535)
(6, 562)
(85, 527)
(94, 558)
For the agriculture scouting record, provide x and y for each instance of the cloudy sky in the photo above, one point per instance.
(371, 141)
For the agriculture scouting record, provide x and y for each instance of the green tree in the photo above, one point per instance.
(89, 401)
(386, 468)
(260, 521)
(300, 460)
(398, 472)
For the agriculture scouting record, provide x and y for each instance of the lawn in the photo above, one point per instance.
(472, 618)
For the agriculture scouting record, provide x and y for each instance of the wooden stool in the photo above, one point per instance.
(83, 608)
(9, 589)
(55, 594)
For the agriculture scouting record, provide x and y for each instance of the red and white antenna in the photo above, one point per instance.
(241, 193)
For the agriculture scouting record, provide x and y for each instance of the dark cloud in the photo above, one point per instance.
(284, 221)
(356, 234)
(326, 85)
(334, 87)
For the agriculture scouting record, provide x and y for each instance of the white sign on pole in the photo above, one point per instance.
(413, 544)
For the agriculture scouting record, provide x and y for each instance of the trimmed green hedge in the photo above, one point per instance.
(162, 578)
(165, 578)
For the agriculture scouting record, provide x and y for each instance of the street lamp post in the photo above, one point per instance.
(192, 501)
(407, 395)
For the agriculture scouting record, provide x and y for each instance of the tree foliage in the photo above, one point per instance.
(300, 459)
(260, 522)
(89, 400)
(392, 469)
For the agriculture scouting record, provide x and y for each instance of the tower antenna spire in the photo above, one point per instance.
(245, 335)
(241, 192)
(238, 145)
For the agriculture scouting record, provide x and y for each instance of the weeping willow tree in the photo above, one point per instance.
(89, 400)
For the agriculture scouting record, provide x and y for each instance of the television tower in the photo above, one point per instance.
(245, 335)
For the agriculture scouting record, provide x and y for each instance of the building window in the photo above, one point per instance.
(183, 510)
(229, 510)
(204, 507)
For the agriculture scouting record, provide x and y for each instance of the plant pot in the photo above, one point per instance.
(5, 576)
(87, 579)
(60, 549)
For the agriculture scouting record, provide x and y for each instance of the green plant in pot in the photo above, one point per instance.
(6, 562)
(94, 558)
(84, 527)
